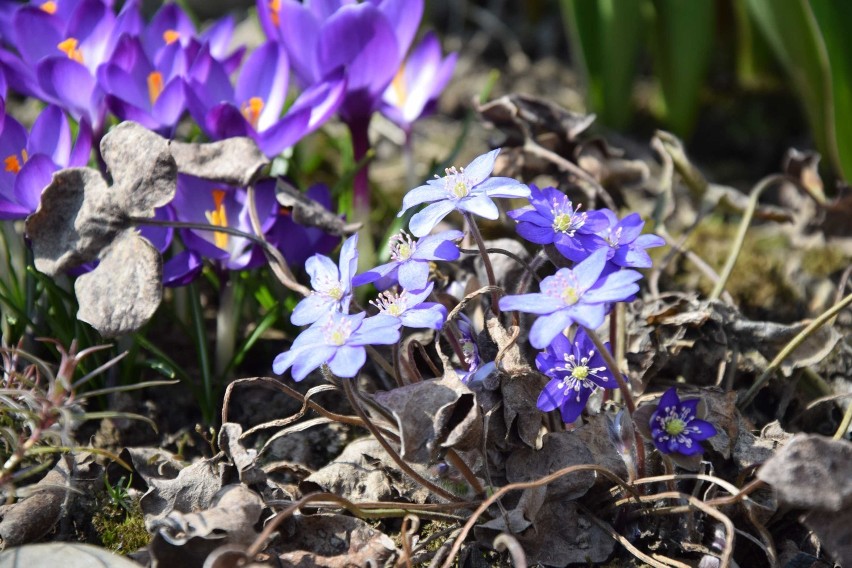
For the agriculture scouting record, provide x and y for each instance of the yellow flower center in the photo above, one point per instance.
(13, 164)
(251, 110)
(275, 12)
(675, 426)
(171, 36)
(570, 296)
(49, 7)
(580, 372)
(155, 86)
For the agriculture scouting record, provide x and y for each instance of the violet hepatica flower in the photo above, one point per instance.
(576, 369)
(418, 83)
(409, 265)
(675, 426)
(29, 160)
(625, 242)
(331, 283)
(551, 218)
(573, 295)
(338, 341)
(468, 190)
(411, 309)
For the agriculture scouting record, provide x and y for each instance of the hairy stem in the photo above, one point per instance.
(483, 252)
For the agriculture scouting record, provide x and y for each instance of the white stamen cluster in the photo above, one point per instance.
(456, 183)
(565, 289)
(566, 219)
(336, 330)
(578, 374)
(402, 246)
(330, 287)
(391, 303)
(612, 237)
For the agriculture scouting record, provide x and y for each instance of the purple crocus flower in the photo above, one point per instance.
(254, 107)
(573, 295)
(298, 242)
(411, 309)
(338, 341)
(466, 190)
(418, 83)
(331, 283)
(576, 369)
(552, 219)
(210, 203)
(140, 90)
(624, 241)
(409, 265)
(29, 161)
(676, 428)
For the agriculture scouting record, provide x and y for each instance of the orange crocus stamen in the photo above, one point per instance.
(69, 48)
(251, 110)
(274, 12)
(399, 86)
(155, 86)
(50, 7)
(171, 36)
(219, 218)
(13, 164)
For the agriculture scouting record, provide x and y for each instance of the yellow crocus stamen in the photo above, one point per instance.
(49, 7)
(251, 110)
(275, 9)
(155, 86)
(69, 48)
(171, 36)
(399, 87)
(13, 164)
(219, 218)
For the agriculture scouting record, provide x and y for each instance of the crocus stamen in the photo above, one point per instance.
(402, 246)
(49, 7)
(13, 164)
(391, 304)
(155, 86)
(274, 12)
(218, 218)
(336, 331)
(399, 87)
(69, 48)
(171, 36)
(251, 110)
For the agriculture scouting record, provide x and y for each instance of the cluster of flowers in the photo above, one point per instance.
(603, 248)
(350, 59)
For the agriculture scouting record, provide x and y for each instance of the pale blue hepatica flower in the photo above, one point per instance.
(467, 190)
(331, 283)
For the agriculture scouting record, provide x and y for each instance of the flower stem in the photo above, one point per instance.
(356, 406)
(207, 410)
(486, 260)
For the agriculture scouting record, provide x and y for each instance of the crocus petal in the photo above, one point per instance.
(299, 30)
(264, 76)
(170, 104)
(422, 223)
(32, 179)
(182, 268)
(347, 361)
(82, 148)
(404, 16)
(50, 135)
(323, 99)
(72, 84)
(284, 133)
(35, 46)
(226, 121)
(413, 275)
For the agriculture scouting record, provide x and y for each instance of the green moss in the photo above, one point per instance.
(119, 530)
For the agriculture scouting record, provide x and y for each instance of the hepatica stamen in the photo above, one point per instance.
(613, 237)
(329, 287)
(251, 110)
(402, 246)
(675, 425)
(391, 303)
(155, 86)
(565, 288)
(12, 164)
(336, 330)
(69, 48)
(456, 183)
(566, 219)
(218, 217)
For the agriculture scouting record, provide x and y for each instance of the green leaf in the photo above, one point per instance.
(834, 19)
(683, 45)
(791, 29)
(605, 35)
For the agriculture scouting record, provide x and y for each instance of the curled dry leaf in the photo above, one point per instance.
(244, 459)
(334, 541)
(310, 213)
(233, 161)
(558, 450)
(432, 416)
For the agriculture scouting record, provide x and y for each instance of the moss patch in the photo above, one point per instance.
(119, 530)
